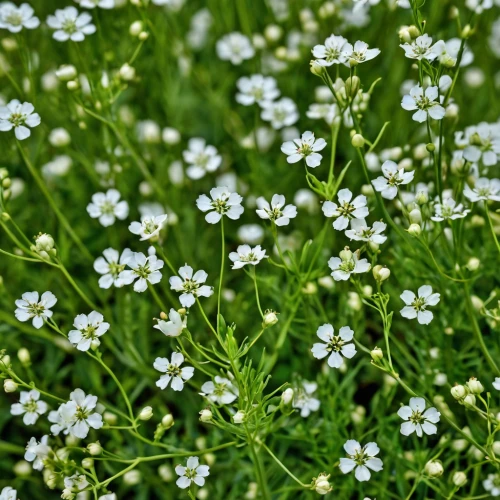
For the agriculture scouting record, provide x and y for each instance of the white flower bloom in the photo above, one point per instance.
(8, 493)
(251, 234)
(173, 327)
(223, 202)
(303, 399)
(111, 265)
(92, 4)
(200, 158)
(192, 473)
(418, 419)
(256, 89)
(108, 496)
(235, 47)
(190, 285)
(416, 307)
(173, 372)
(220, 391)
(484, 189)
(305, 148)
(394, 177)
(276, 211)
(419, 49)
(324, 111)
(37, 451)
(359, 54)
(107, 207)
(88, 330)
(360, 231)
(425, 104)
(332, 52)
(359, 4)
(280, 113)
(70, 25)
(346, 210)
(496, 383)
(15, 18)
(336, 345)
(143, 269)
(246, 255)
(361, 459)
(478, 6)
(30, 306)
(449, 210)
(149, 227)
(482, 143)
(492, 485)
(348, 263)
(19, 117)
(30, 406)
(75, 483)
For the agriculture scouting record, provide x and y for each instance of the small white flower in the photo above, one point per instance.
(92, 4)
(360, 231)
(305, 148)
(256, 89)
(484, 189)
(15, 18)
(416, 307)
(336, 345)
(246, 255)
(235, 47)
(346, 210)
(173, 372)
(348, 263)
(220, 391)
(496, 383)
(323, 111)
(31, 307)
(394, 177)
(418, 419)
(280, 113)
(449, 210)
(107, 207)
(359, 54)
(425, 104)
(192, 473)
(19, 117)
(277, 211)
(190, 285)
(419, 49)
(492, 484)
(361, 459)
(143, 269)
(30, 406)
(359, 4)
(303, 399)
(70, 25)
(75, 483)
(332, 52)
(8, 493)
(173, 327)
(149, 227)
(478, 6)
(88, 330)
(200, 158)
(37, 451)
(482, 143)
(223, 202)
(111, 265)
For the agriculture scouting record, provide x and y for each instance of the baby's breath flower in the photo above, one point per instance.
(332, 52)
(146, 270)
(335, 346)
(149, 227)
(37, 451)
(247, 255)
(305, 148)
(172, 328)
(418, 419)
(107, 207)
(277, 211)
(425, 104)
(419, 49)
(30, 406)
(449, 210)
(346, 210)
(15, 18)
(88, 330)
(303, 399)
(70, 25)
(393, 177)
(361, 459)
(223, 202)
(111, 265)
(358, 54)
(19, 117)
(235, 47)
(32, 306)
(201, 158)
(256, 89)
(220, 391)
(483, 190)
(346, 264)
(416, 307)
(192, 473)
(173, 372)
(280, 113)
(190, 285)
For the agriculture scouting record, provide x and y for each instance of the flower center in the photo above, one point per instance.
(220, 389)
(149, 226)
(107, 208)
(17, 119)
(305, 149)
(332, 54)
(347, 266)
(69, 26)
(417, 417)
(419, 304)
(335, 344)
(31, 406)
(346, 209)
(14, 18)
(115, 269)
(190, 473)
(36, 309)
(81, 413)
(190, 285)
(173, 370)
(251, 257)
(143, 271)
(220, 206)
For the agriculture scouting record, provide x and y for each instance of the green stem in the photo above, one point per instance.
(221, 270)
(254, 275)
(76, 287)
(490, 222)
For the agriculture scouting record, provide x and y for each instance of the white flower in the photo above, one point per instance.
(91, 4)
(348, 263)
(143, 269)
(484, 189)
(190, 286)
(419, 49)
(111, 265)
(70, 25)
(492, 484)
(220, 391)
(235, 47)
(478, 6)
(360, 231)
(482, 143)
(359, 54)
(75, 483)
(149, 227)
(173, 372)
(332, 52)
(256, 89)
(246, 255)
(88, 330)
(305, 148)
(31, 307)
(36, 451)
(107, 207)
(336, 345)
(361, 459)
(418, 419)
(173, 327)
(15, 18)
(303, 398)
(496, 384)
(280, 113)
(388, 185)
(346, 210)
(416, 307)
(449, 210)
(201, 158)
(359, 4)
(19, 117)
(324, 111)
(223, 202)
(30, 406)
(192, 473)
(276, 211)
(8, 493)
(425, 104)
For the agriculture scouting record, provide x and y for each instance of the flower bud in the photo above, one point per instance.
(127, 72)
(171, 136)
(167, 421)
(469, 401)
(66, 72)
(146, 413)
(321, 484)
(381, 273)
(143, 35)
(415, 229)
(404, 34)
(354, 301)
(415, 216)
(44, 242)
(459, 392)
(346, 254)
(352, 85)
(422, 197)
(414, 31)
(88, 463)
(22, 468)
(473, 264)
(317, 69)
(477, 303)
(206, 415)
(135, 28)
(9, 385)
(73, 85)
(434, 468)
(132, 477)
(466, 32)
(24, 356)
(377, 354)
(94, 448)
(358, 141)
(273, 32)
(270, 319)
(239, 417)
(475, 387)
(166, 473)
(59, 137)
(286, 400)
(459, 479)
(109, 417)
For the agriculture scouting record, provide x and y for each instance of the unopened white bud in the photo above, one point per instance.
(270, 319)
(22, 468)
(127, 72)
(166, 473)
(94, 448)
(321, 484)
(287, 396)
(9, 385)
(459, 391)
(358, 141)
(167, 421)
(171, 136)
(415, 230)
(273, 32)
(88, 463)
(459, 479)
(477, 303)
(239, 417)
(475, 387)
(24, 356)
(422, 197)
(377, 354)
(135, 28)
(66, 72)
(415, 216)
(381, 273)
(434, 468)
(109, 418)
(206, 415)
(473, 264)
(146, 413)
(132, 477)
(470, 401)
(59, 137)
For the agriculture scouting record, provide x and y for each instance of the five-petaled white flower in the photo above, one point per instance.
(107, 207)
(496, 383)
(174, 326)
(277, 211)
(346, 264)
(8, 493)
(223, 202)
(173, 372)
(247, 255)
(360, 231)
(256, 89)
(190, 285)
(143, 269)
(192, 473)
(416, 307)
(303, 398)
(280, 113)
(449, 210)
(111, 265)
(31, 306)
(70, 25)
(30, 406)
(358, 54)
(73, 484)
(92, 4)
(220, 391)
(418, 419)
(419, 49)
(425, 103)
(492, 483)
(88, 330)
(19, 117)
(235, 47)
(346, 210)
(393, 177)
(361, 459)
(200, 158)
(37, 451)
(305, 148)
(149, 227)
(14, 18)
(331, 52)
(484, 189)
(336, 345)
